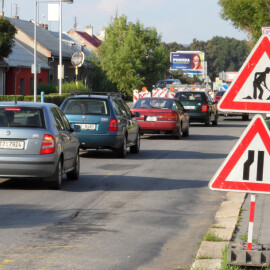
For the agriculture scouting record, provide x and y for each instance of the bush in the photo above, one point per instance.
(68, 87)
(47, 88)
(52, 98)
(11, 98)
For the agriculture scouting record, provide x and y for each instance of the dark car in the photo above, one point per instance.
(167, 82)
(162, 116)
(37, 141)
(105, 121)
(217, 98)
(199, 105)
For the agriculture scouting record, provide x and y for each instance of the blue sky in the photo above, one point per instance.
(176, 20)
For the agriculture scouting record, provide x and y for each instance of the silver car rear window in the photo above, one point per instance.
(25, 117)
(86, 106)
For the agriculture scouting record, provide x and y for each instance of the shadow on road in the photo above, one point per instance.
(154, 154)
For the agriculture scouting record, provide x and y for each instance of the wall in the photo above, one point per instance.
(25, 73)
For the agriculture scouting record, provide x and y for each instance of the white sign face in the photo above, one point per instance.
(253, 156)
(53, 12)
(247, 166)
(250, 90)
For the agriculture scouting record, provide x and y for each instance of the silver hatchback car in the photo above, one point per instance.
(37, 141)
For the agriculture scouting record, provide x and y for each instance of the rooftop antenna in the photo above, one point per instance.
(75, 23)
(3, 5)
(16, 9)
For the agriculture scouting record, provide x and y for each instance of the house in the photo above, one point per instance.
(47, 48)
(87, 38)
(15, 72)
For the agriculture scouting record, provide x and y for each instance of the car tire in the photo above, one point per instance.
(186, 132)
(55, 181)
(74, 174)
(122, 151)
(135, 149)
(178, 134)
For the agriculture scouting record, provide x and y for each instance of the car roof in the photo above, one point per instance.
(161, 98)
(26, 104)
(192, 91)
(90, 96)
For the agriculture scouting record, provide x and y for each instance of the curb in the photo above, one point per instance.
(209, 255)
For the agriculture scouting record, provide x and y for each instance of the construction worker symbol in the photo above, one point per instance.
(259, 85)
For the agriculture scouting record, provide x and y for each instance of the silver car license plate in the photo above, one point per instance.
(88, 126)
(11, 144)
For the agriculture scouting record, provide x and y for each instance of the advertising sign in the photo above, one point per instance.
(191, 62)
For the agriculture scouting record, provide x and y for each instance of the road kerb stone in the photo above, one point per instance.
(211, 250)
(213, 264)
(224, 233)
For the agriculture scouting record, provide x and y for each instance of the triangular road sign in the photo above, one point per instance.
(246, 169)
(250, 90)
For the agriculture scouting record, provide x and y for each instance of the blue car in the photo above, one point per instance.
(105, 121)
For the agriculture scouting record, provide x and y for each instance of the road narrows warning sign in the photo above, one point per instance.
(246, 167)
(250, 90)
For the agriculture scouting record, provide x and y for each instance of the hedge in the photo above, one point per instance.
(51, 98)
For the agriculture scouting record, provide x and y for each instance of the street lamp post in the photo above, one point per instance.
(60, 44)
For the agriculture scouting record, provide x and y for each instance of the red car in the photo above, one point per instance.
(162, 116)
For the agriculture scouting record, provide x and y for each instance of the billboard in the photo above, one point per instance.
(191, 62)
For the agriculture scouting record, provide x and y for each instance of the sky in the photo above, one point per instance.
(178, 21)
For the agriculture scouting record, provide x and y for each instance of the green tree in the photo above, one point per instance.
(98, 78)
(248, 15)
(174, 47)
(132, 56)
(7, 33)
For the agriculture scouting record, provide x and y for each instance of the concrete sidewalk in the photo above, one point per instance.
(209, 255)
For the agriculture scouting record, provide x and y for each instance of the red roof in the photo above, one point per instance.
(91, 39)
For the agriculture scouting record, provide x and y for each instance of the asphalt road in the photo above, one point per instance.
(148, 211)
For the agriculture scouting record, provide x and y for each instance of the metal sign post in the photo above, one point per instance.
(251, 221)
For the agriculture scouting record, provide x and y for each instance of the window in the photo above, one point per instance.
(121, 107)
(129, 113)
(58, 121)
(64, 119)
(116, 108)
(31, 86)
(22, 86)
(25, 117)
(88, 106)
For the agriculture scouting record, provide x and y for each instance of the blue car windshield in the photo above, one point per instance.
(88, 106)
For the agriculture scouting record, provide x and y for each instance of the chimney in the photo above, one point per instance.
(43, 25)
(89, 30)
(102, 34)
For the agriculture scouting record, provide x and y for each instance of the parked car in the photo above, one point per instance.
(167, 82)
(218, 96)
(162, 116)
(37, 141)
(199, 105)
(105, 121)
